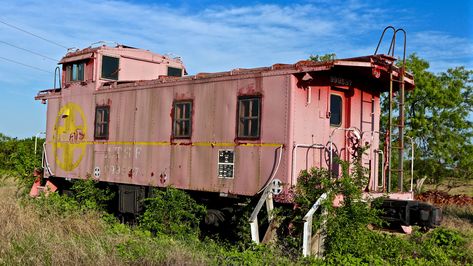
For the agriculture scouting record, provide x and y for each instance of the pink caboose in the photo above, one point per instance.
(133, 118)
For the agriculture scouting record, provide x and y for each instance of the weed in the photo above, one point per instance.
(172, 212)
(89, 196)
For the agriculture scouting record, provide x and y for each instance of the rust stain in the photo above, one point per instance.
(185, 143)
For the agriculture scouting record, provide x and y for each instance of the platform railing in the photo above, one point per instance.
(356, 133)
(294, 155)
(266, 197)
(412, 163)
(307, 233)
(44, 160)
(381, 185)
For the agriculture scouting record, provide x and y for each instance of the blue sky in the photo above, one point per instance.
(215, 36)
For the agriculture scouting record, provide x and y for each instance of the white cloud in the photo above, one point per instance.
(216, 38)
(443, 50)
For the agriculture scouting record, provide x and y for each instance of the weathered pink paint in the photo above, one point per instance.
(140, 149)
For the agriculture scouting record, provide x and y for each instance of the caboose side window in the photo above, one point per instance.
(110, 67)
(75, 72)
(249, 117)
(335, 110)
(182, 126)
(102, 119)
(174, 72)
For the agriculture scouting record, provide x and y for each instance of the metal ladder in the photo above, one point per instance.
(401, 115)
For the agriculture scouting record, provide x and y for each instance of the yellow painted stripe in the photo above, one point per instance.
(261, 144)
(141, 143)
(167, 143)
(215, 144)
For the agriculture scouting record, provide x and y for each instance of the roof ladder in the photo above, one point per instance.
(391, 134)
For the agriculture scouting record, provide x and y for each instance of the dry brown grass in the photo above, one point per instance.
(26, 238)
(453, 187)
(29, 237)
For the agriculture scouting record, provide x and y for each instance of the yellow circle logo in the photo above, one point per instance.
(69, 139)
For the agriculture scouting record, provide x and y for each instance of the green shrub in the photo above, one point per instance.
(444, 245)
(172, 212)
(18, 160)
(53, 204)
(90, 196)
(253, 255)
(445, 238)
(85, 196)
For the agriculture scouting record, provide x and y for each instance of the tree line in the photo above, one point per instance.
(439, 121)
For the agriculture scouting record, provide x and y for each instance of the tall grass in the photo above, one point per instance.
(53, 231)
(29, 238)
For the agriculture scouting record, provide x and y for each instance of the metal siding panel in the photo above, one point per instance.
(140, 127)
(311, 126)
(52, 110)
(247, 174)
(204, 170)
(275, 127)
(71, 155)
(143, 133)
(205, 102)
(180, 174)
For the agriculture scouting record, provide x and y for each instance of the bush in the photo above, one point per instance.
(54, 205)
(17, 159)
(90, 196)
(172, 212)
(350, 239)
(86, 196)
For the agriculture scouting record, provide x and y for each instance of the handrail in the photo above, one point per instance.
(45, 155)
(355, 131)
(405, 43)
(392, 40)
(273, 174)
(307, 233)
(412, 163)
(267, 197)
(36, 141)
(373, 152)
(383, 177)
(57, 72)
(294, 155)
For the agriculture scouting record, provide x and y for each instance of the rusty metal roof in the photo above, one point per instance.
(381, 62)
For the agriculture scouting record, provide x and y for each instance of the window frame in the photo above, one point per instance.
(239, 124)
(103, 135)
(102, 65)
(174, 68)
(70, 71)
(341, 110)
(176, 120)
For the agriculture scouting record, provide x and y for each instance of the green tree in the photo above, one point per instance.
(438, 119)
(323, 58)
(17, 158)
